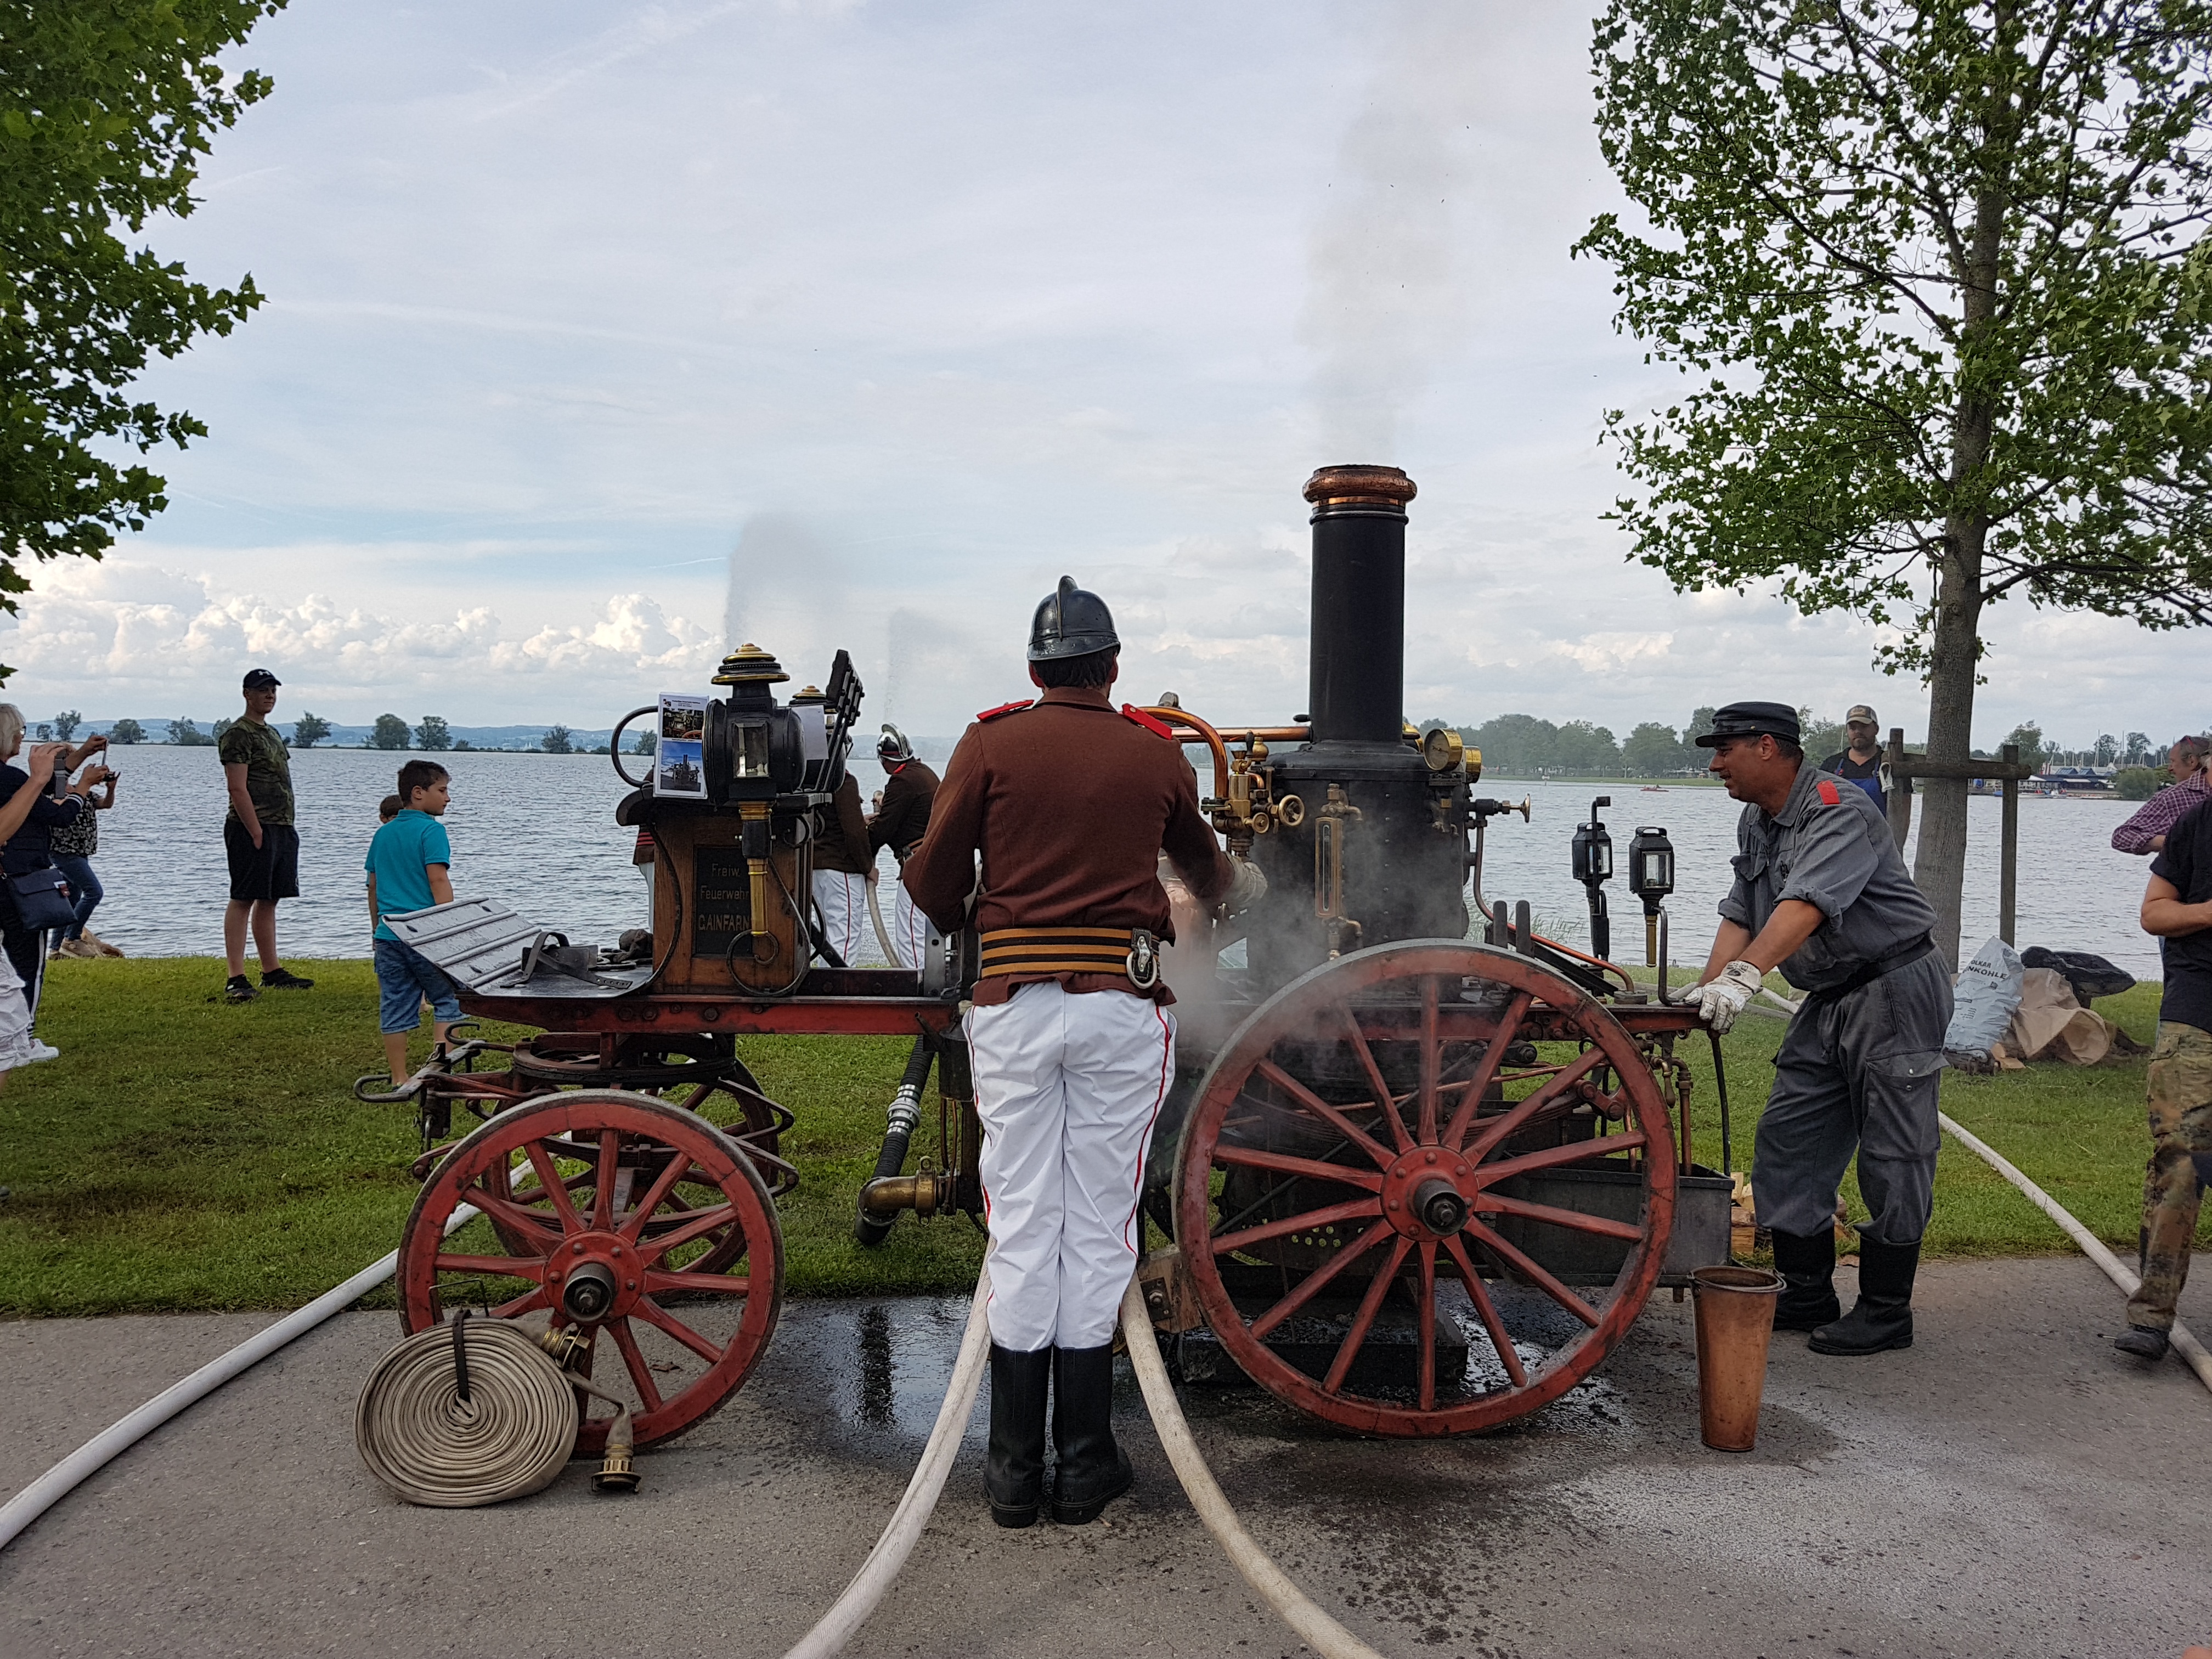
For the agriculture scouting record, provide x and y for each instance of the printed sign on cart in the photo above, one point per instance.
(679, 763)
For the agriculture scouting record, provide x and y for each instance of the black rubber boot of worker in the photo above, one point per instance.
(1883, 1318)
(1807, 1266)
(2143, 1342)
(1013, 1468)
(1092, 1470)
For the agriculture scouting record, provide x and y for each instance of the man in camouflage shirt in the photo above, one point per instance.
(2177, 907)
(259, 839)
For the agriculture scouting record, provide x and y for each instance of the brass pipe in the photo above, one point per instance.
(925, 1194)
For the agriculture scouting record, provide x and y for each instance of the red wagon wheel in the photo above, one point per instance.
(649, 1226)
(1367, 1141)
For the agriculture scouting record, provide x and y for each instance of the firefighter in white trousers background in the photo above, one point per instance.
(1069, 803)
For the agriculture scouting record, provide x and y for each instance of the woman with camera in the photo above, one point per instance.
(34, 897)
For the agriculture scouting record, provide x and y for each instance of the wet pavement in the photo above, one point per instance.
(2008, 1486)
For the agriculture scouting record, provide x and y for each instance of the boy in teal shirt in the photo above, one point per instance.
(407, 867)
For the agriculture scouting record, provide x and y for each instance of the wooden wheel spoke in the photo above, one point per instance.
(1426, 1328)
(1363, 1320)
(658, 1279)
(555, 1189)
(525, 1219)
(1343, 1175)
(529, 1302)
(1223, 1243)
(1536, 1274)
(1495, 1132)
(1384, 1099)
(654, 1314)
(506, 1266)
(1486, 1310)
(602, 1194)
(1491, 1203)
(1428, 1091)
(1493, 1056)
(640, 1374)
(1550, 1158)
(663, 1184)
(1330, 1115)
(1316, 1282)
(703, 1222)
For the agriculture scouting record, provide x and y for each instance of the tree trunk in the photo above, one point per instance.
(1940, 866)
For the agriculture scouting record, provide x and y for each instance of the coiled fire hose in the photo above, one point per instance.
(838, 1626)
(464, 1413)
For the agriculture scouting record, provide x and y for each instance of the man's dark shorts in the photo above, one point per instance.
(271, 871)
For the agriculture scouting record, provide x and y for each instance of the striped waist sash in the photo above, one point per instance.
(1056, 950)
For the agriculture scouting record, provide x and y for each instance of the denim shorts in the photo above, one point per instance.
(404, 977)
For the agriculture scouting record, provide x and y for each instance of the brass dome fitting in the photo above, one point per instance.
(1356, 489)
(748, 665)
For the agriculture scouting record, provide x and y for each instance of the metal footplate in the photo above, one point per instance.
(493, 952)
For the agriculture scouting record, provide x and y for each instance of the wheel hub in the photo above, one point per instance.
(1425, 1192)
(594, 1276)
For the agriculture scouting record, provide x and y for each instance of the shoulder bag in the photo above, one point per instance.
(42, 900)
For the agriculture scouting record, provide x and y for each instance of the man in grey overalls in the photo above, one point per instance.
(1820, 893)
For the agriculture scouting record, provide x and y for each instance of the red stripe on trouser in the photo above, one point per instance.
(1068, 1088)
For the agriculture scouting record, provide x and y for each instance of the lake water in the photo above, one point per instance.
(537, 833)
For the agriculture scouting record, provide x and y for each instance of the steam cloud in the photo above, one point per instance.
(1383, 302)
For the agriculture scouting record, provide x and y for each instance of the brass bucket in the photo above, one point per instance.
(1735, 1321)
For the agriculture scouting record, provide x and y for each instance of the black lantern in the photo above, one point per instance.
(1593, 865)
(1650, 878)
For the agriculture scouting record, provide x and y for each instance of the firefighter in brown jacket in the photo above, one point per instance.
(1069, 803)
(901, 820)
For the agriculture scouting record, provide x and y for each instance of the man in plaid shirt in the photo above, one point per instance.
(2145, 832)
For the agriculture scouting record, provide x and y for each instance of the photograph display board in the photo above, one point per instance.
(678, 766)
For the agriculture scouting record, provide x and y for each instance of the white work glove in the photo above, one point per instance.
(1247, 887)
(1728, 993)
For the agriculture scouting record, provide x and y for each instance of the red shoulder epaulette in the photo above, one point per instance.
(1158, 729)
(1004, 709)
(1827, 792)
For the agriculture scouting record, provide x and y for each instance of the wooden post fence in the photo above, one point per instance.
(1899, 766)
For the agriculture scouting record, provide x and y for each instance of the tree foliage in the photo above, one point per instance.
(185, 735)
(66, 723)
(309, 730)
(557, 740)
(433, 733)
(1937, 274)
(106, 108)
(390, 732)
(126, 731)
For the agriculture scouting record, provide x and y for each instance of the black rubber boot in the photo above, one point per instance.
(1092, 1470)
(1883, 1318)
(1807, 1266)
(2143, 1342)
(1013, 1469)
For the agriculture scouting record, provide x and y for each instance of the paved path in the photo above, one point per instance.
(2009, 1487)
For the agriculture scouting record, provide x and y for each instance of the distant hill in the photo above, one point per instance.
(932, 750)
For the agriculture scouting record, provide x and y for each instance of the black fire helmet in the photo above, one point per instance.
(1071, 622)
(893, 745)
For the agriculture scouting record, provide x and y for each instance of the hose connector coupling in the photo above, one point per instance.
(904, 1114)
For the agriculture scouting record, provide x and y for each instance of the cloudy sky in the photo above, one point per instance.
(599, 336)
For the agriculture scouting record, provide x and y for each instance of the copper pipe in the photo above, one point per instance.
(1205, 734)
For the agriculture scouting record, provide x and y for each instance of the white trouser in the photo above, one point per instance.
(911, 929)
(1067, 1088)
(843, 897)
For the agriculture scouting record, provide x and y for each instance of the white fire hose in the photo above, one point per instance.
(57, 1482)
(837, 1626)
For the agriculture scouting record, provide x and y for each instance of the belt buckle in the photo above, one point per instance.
(1144, 960)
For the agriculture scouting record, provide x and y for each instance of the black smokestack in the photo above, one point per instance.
(1359, 651)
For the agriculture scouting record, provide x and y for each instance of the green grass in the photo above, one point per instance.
(2077, 1132)
(184, 1153)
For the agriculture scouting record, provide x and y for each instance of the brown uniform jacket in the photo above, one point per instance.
(903, 818)
(1071, 803)
(841, 841)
